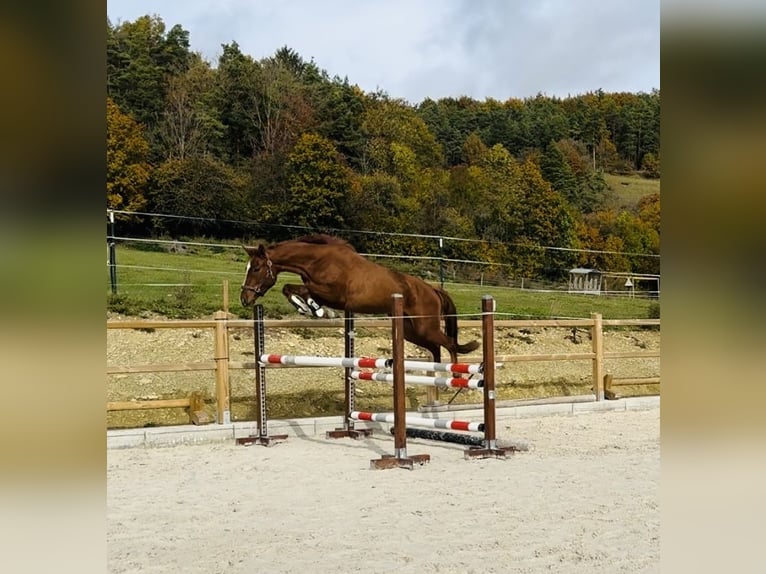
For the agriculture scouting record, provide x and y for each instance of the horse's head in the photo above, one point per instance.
(260, 276)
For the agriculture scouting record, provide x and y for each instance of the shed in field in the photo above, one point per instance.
(583, 280)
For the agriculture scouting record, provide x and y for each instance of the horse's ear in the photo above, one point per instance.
(249, 250)
(261, 250)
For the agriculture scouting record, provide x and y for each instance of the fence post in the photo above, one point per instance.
(441, 262)
(223, 412)
(112, 254)
(597, 339)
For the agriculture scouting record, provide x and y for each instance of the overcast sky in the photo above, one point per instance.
(414, 49)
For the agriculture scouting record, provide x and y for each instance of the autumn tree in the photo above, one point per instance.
(650, 165)
(191, 123)
(565, 166)
(127, 168)
(546, 229)
(648, 209)
(318, 182)
(201, 188)
(389, 121)
(474, 149)
(141, 57)
(625, 240)
(280, 108)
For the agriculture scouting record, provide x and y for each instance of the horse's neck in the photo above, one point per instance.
(294, 260)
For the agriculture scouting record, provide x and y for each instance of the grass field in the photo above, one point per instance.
(631, 188)
(188, 285)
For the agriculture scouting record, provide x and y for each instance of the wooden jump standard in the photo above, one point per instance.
(400, 458)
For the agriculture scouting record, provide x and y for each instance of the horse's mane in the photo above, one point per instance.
(324, 239)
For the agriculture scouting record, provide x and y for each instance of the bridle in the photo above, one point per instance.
(257, 288)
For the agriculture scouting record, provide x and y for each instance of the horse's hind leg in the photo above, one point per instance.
(428, 331)
(412, 335)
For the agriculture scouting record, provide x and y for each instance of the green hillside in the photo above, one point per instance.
(631, 188)
(188, 285)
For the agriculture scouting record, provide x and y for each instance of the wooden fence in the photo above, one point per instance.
(221, 323)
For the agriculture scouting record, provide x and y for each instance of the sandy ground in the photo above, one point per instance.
(584, 498)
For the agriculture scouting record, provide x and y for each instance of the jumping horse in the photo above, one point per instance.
(334, 275)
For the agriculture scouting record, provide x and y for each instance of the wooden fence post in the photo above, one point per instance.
(598, 352)
(223, 412)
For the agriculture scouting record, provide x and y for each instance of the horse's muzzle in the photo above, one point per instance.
(246, 290)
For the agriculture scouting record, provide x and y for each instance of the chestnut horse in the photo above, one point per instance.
(336, 276)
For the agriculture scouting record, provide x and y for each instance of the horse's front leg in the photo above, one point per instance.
(300, 297)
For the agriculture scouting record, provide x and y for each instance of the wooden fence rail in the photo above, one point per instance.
(194, 403)
(610, 382)
(221, 364)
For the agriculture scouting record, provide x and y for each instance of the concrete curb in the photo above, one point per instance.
(311, 427)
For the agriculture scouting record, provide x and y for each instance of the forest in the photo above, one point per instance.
(271, 148)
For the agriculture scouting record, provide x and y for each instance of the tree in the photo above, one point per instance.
(318, 185)
(339, 112)
(127, 168)
(650, 165)
(607, 156)
(388, 121)
(544, 120)
(199, 187)
(191, 122)
(602, 236)
(234, 90)
(635, 236)
(496, 196)
(584, 188)
(374, 200)
(648, 209)
(264, 104)
(544, 220)
(474, 150)
(558, 173)
(140, 59)
(280, 109)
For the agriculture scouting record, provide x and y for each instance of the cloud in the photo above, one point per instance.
(437, 48)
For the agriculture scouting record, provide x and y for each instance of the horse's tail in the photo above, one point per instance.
(449, 312)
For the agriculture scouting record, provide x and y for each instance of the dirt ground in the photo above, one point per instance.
(315, 392)
(583, 499)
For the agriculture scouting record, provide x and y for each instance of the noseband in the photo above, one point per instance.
(257, 288)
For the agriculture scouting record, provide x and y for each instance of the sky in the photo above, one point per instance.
(417, 49)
